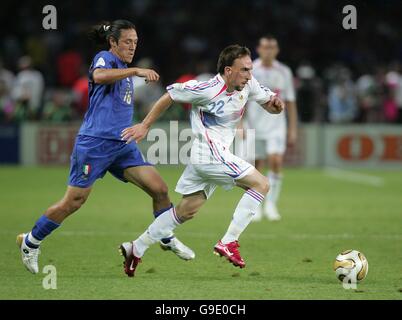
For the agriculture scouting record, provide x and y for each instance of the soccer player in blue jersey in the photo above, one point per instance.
(98, 147)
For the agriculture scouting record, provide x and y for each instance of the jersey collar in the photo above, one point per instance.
(224, 88)
(220, 79)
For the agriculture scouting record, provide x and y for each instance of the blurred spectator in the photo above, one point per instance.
(68, 66)
(28, 89)
(22, 111)
(309, 94)
(145, 94)
(59, 54)
(393, 79)
(58, 108)
(368, 94)
(398, 97)
(342, 98)
(7, 77)
(6, 103)
(390, 105)
(80, 90)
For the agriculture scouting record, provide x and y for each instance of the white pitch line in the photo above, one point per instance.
(352, 176)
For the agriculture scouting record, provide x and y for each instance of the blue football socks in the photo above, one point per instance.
(43, 227)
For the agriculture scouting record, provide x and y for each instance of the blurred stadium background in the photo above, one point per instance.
(349, 153)
(349, 82)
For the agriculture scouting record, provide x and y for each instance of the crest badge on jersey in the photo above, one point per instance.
(86, 170)
(100, 62)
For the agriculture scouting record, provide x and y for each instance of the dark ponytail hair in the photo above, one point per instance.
(102, 32)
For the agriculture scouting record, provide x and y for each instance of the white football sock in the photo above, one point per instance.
(275, 183)
(243, 214)
(142, 243)
(33, 240)
(162, 227)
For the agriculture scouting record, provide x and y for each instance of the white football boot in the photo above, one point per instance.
(29, 255)
(271, 211)
(179, 248)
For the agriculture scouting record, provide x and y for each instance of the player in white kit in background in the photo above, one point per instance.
(217, 108)
(272, 133)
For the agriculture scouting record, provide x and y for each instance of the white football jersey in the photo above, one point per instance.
(279, 79)
(215, 112)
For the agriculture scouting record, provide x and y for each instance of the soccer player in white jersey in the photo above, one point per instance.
(271, 130)
(217, 107)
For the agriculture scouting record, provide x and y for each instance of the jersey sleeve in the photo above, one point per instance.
(289, 92)
(188, 92)
(259, 93)
(102, 60)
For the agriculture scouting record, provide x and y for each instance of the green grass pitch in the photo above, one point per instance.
(291, 259)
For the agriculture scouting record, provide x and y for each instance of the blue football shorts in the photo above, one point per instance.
(92, 157)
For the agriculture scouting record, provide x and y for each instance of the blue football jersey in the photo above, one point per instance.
(111, 106)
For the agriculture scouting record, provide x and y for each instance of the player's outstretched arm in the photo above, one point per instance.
(291, 110)
(140, 131)
(106, 76)
(274, 105)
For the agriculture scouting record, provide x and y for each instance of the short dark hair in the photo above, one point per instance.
(229, 55)
(268, 36)
(102, 32)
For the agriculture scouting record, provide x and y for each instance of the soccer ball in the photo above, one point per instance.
(352, 265)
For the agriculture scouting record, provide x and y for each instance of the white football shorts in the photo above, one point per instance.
(271, 145)
(207, 176)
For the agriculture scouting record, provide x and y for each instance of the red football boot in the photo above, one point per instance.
(231, 252)
(130, 260)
